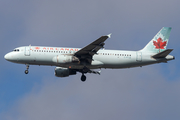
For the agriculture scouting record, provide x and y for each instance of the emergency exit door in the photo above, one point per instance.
(139, 56)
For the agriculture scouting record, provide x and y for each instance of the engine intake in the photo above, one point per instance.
(64, 72)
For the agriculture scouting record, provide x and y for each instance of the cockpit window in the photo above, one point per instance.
(16, 50)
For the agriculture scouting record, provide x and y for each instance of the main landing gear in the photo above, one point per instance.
(83, 78)
(84, 71)
(26, 71)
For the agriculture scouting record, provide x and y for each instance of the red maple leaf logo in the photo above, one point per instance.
(160, 44)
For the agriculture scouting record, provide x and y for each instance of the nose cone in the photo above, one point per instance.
(6, 56)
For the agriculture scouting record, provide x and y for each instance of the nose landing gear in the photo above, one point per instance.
(26, 71)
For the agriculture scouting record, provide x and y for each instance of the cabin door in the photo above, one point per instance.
(139, 56)
(27, 51)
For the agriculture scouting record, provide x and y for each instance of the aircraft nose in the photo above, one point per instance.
(7, 56)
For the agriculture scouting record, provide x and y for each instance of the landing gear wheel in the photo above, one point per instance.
(83, 78)
(26, 71)
(27, 67)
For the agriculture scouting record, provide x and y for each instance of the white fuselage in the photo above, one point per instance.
(40, 55)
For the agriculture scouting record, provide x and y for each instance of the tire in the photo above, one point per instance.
(83, 78)
(26, 71)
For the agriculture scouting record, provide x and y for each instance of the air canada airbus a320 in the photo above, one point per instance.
(69, 61)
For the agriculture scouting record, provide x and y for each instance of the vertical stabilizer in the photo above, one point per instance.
(159, 42)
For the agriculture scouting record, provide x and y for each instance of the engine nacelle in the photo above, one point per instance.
(65, 59)
(64, 72)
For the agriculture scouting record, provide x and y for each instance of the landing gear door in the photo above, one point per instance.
(139, 56)
(27, 51)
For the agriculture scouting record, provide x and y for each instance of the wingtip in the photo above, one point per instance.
(109, 36)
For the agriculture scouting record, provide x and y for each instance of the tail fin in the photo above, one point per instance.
(159, 42)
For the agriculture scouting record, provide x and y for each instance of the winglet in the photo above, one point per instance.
(109, 36)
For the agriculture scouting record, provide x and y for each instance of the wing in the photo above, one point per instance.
(86, 53)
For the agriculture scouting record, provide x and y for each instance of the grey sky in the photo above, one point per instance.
(147, 93)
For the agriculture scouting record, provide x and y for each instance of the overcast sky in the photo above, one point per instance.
(147, 93)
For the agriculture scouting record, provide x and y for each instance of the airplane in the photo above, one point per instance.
(69, 61)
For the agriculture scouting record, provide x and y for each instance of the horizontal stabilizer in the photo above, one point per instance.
(162, 54)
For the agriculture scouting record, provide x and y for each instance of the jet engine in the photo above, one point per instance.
(64, 72)
(65, 59)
